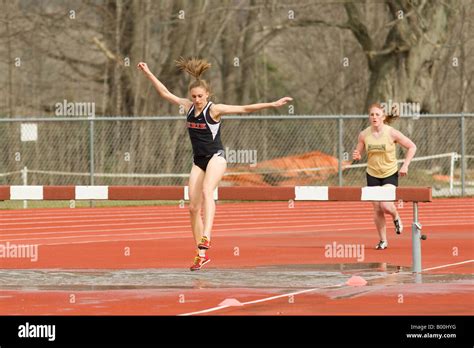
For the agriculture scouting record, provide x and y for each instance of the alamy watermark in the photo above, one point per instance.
(28, 330)
(345, 251)
(19, 251)
(402, 109)
(66, 108)
(241, 156)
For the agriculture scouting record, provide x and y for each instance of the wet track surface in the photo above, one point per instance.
(267, 277)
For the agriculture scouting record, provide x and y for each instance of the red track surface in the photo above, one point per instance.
(265, 233)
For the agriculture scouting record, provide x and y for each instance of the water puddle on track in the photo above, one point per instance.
(285, 277)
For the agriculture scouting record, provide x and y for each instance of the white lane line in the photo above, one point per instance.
(289, 223)
(222, 229)
(184, 212)
(159, 236)
(260, 300)
(449, 265)
(173, 210)
(185, 216)
(239, 233)
(175, 217)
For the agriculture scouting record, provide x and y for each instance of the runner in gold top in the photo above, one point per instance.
(379, 141)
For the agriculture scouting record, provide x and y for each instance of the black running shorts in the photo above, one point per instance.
(203, 161)
(373, 181)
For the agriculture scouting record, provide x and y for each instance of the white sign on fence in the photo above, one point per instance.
(29, 132)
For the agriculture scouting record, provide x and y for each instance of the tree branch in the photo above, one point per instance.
(106, 51)
(357, 27)
(390, 49)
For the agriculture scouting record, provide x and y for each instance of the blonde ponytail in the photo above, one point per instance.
(194, 67)
(393, 115)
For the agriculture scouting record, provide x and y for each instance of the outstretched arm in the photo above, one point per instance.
(404, 141)
(161, 88)
(222, 109)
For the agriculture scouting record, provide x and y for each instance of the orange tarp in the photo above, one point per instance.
(284, 171)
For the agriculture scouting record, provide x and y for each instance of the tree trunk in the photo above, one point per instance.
(10, 64)
(403, 70)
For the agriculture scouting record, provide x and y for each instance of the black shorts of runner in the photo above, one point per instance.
(373, 181)
(203, 161)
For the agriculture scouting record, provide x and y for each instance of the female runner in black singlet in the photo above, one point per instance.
(203, 123)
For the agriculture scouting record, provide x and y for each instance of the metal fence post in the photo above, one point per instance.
(451, 173)
(24, 174)
(463, 156)
(340, 148)
(91, 155)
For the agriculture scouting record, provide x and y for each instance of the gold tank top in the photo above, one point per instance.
(382, 158)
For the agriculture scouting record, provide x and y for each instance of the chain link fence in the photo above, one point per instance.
(261, 150)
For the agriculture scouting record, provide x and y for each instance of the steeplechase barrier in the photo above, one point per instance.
(236, 193)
